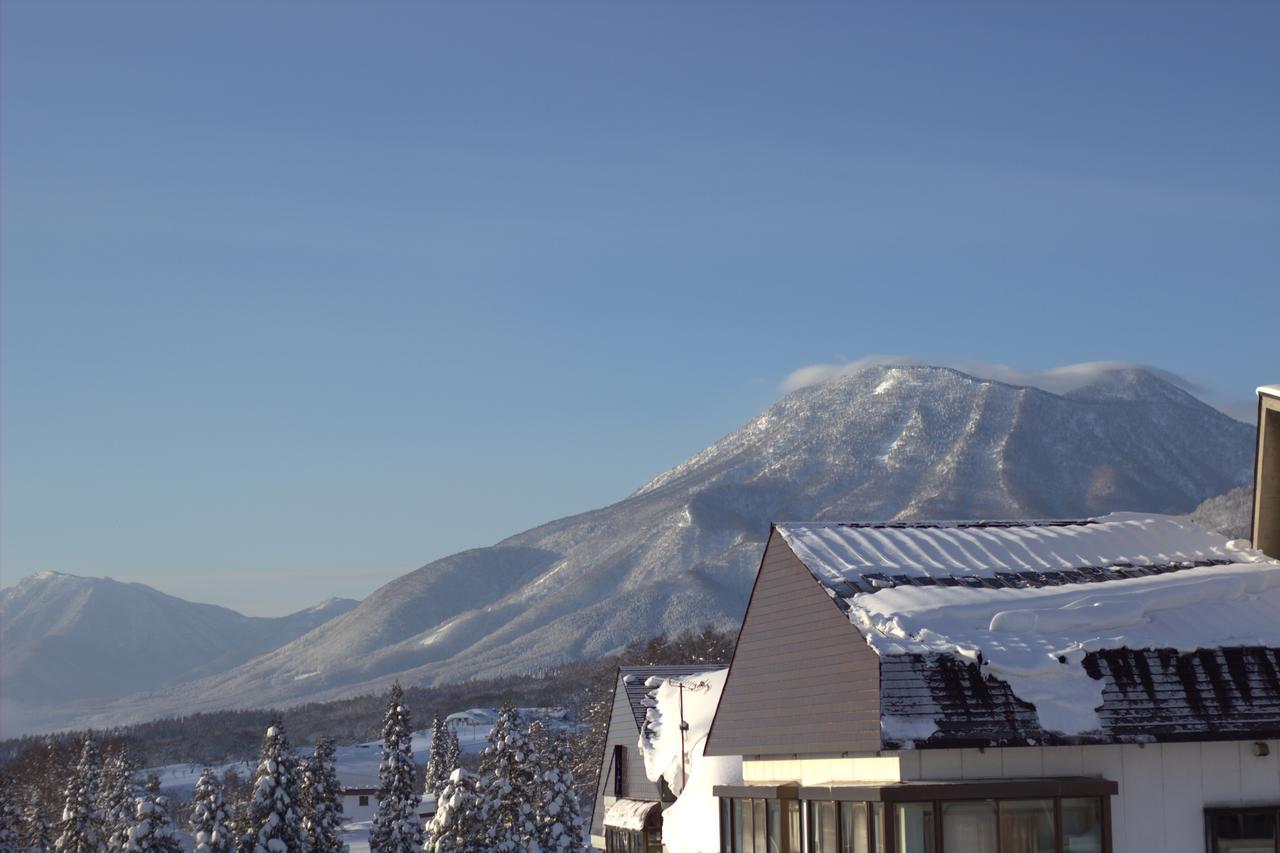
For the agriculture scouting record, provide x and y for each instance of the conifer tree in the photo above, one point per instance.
(322, 801)
(437, 765)
(36, 836)
(151, 831)
(507, 784)
(80, 830)
(453, 750)
(272, 820)
(116, 795)
(558, 822)
(396, 825)
(10, 816)
(458, 826)
(210, 817)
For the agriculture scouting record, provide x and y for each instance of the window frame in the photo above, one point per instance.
(1211, 814)
(777, 821)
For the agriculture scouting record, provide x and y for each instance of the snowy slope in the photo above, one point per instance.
(66, 638)
(883, 443)
(1230, 514)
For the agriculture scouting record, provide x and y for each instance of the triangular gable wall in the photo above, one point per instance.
(803, 681)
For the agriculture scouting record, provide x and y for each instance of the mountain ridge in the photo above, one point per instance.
(884, 443)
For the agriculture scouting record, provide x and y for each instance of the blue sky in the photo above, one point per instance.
(299, 297)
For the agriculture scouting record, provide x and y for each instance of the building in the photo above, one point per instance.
(1107, 685)
(359, 802)
(1266, 491)
(628, 807)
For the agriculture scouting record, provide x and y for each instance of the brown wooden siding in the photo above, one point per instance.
(803, 680)
(622, 732)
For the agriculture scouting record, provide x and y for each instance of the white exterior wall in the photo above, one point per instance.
(1164, 788)
(352, 810)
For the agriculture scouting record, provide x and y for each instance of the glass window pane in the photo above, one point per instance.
(792, 842)
(1026, 826)
(914, 828)
(726, 825)
(826, 838)
(772, 815)
(748, 827)
(969, 826)
(1082, 825)
(740, 841)
(761, 827)
(1245, 832)
(877, 827)
(853, 828)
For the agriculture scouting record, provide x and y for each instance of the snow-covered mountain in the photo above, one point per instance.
(882, 443)
(65, 638)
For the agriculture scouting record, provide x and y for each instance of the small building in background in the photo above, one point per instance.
(628, 807)
(359, 803)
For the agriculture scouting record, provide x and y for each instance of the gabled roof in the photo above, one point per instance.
(634, 680)
(1121, 627)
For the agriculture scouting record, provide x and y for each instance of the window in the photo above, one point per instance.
(913, 826)
(1082, 825)
(631, 840)
(364, 799)
(969, 826)
(854, 833)
(1026, 826)
(758, 825)
(619, 758)
(1242, 830)
(839, 827)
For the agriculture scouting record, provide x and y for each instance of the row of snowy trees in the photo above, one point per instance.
(522, 799)
(295, 806)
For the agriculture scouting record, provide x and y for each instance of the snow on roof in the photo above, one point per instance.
(629, 814)
(634, 679)
(1057, 592)
(678, 719)
(853, 553)
(1269, 390)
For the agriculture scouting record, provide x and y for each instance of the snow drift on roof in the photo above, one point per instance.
(1034, 638)
(835, 552)
(674, 753)
(629, 814)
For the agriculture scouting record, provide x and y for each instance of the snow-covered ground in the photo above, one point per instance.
(357, 835)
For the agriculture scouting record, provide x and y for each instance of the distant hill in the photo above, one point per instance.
(883, 443)
(65, 638)
(1230, 514)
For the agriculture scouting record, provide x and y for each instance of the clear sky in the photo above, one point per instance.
(298, 297)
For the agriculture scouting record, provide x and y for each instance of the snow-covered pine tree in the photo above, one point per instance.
(452, 751)
(458, 826)
(396, 825)
(437, 764)
(116, 794)
(151, 831)
(210, 817)
(80, 830)
(10, 816)
(557, 817)
(36, 835)
(322, 801)
(273, 822)
(507, 787)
